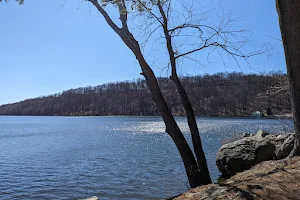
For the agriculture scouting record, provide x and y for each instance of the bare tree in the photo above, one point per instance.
(207, 36)
(220, 94)
(193, 172)
(19, 1)
(289, 18)
(175, 24)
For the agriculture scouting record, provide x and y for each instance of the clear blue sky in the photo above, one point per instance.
(46, 47)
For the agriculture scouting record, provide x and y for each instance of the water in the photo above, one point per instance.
(108, 157)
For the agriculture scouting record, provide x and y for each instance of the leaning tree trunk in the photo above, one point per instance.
(190, 164)
(198, 149)
(200, 156)
(289, 20)
(194, 174)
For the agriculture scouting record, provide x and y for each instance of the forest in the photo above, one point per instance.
(222, 94)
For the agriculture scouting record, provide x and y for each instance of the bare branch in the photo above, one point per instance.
(123, 13)
(195, 50)
(168, 38)
(105, 15)
(150, 12)
(185, 26)
(232, 51)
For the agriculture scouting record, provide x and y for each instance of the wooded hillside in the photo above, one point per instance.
(222, 94)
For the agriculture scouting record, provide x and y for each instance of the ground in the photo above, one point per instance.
(269, 180)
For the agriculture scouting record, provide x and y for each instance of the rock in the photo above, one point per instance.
(246, 135)
(268, 180)
(236, 156)
(242, 154)
(278, 139)
(262, 133)
(265, 150)
(285, 149)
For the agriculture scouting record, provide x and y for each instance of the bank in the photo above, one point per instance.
(269, 180)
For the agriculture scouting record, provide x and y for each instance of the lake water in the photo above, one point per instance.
(108, 157)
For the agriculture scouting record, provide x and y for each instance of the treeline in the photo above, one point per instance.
(222, 94)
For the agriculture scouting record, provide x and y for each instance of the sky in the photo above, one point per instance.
(50, 46)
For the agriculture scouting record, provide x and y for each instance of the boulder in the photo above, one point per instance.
(245, 135)
(262, 133)
(285, 149)
(264, 150)
(244, 153)
(236, 156)
(270, 180)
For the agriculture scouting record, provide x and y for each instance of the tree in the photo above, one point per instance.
(202, 36)
(197, 174)
(289, 18)
(19, 1)
(220, 94)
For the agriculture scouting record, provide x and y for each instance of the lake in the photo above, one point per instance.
(108, 157)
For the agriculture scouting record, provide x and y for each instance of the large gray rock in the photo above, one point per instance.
(262, 133)
(264, 150)
(285, 149)
(269, 180)
(236, 156)
(242, 154)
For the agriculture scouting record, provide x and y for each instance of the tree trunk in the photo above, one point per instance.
(200, 156)
(289, 20)
(191, 167)
(194, 175)
(190, 164)
(201, 160)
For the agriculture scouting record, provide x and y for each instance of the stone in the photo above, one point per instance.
(246, 135)
(244, 153)
(262, 133)
(278, 179)
(236, 156)
(265, 150)
(285, 149)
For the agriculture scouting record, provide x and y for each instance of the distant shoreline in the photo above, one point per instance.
(284, 116)
(219, 95)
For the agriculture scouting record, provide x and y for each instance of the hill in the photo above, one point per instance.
(222, 94)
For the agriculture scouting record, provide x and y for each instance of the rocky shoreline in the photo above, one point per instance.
(269, 180)
(250, 150)
(256, 167)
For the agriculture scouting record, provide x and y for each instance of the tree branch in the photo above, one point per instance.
(105, 15)
(149, 11)
(123, 13)
(195, 50)
(168, 39)
(185, 26)
(234, 52)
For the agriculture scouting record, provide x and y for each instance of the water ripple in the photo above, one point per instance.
(109, 157)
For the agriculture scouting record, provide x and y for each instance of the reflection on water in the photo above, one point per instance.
(108, 157)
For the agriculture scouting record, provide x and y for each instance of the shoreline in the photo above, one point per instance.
(263, 181)
(285, 116)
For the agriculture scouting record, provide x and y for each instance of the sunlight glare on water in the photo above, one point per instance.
(108, 157)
